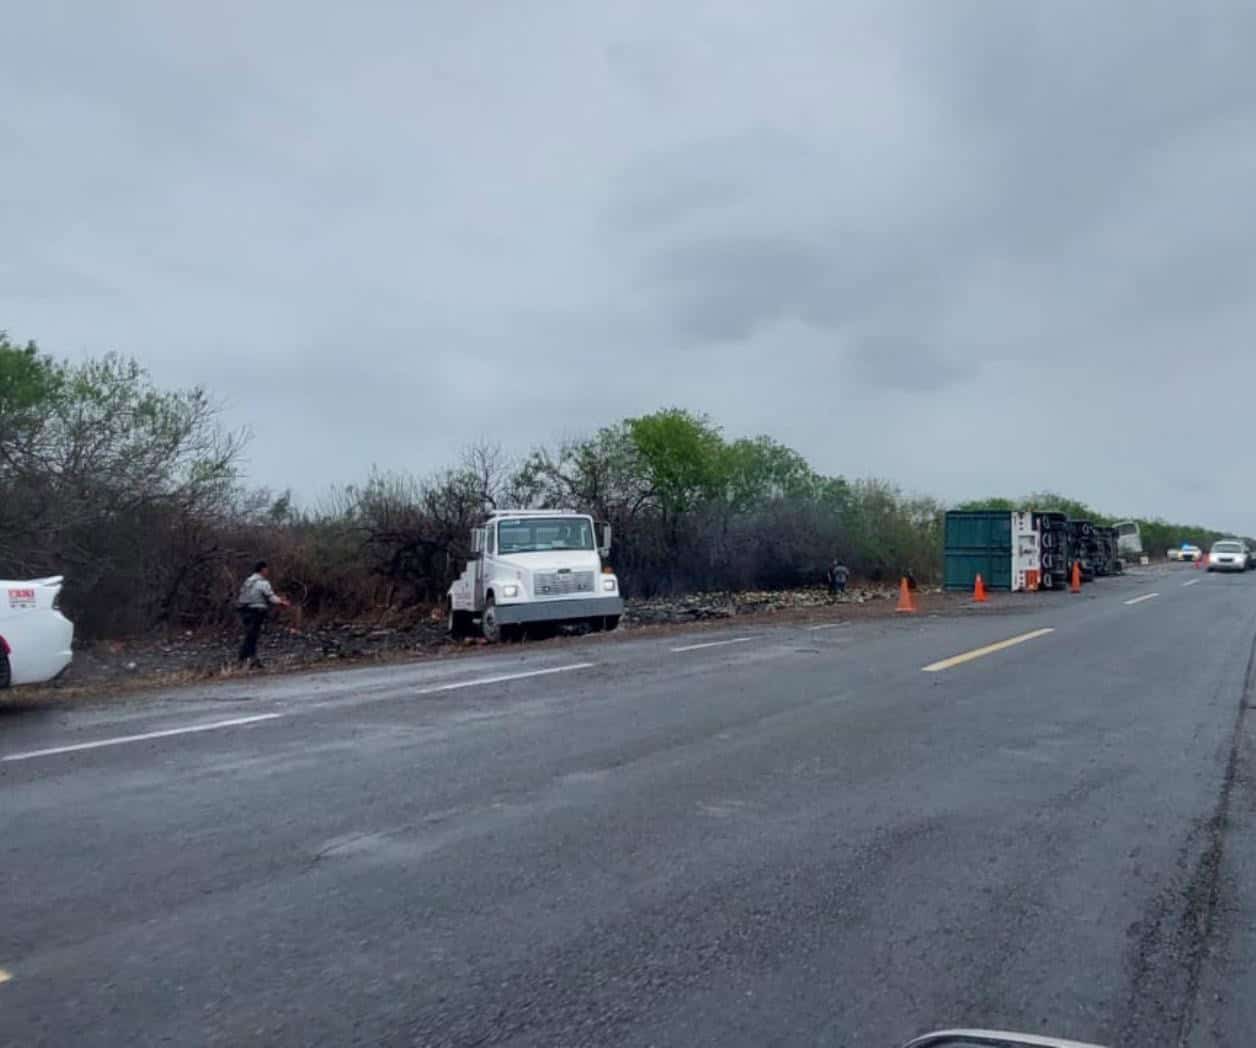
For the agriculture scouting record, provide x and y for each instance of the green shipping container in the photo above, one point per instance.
(978, 542)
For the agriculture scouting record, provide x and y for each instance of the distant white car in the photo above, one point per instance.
(1228, 555)
(1189, 553)
(36, 640)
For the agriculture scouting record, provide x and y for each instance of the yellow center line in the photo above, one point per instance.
(989, 649)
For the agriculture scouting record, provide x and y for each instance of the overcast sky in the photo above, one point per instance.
(971, 247)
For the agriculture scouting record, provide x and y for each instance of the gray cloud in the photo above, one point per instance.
(727, 288)
(381, 237)
(903, 365)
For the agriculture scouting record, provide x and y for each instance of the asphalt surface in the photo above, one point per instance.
(797, 837)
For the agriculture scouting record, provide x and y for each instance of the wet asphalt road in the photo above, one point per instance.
(799, 837)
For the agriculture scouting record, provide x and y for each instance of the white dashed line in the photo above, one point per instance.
(1139, 600)
(500, 678)
(712, 644)
(1193, 582)
(826, 626)
(123, 739)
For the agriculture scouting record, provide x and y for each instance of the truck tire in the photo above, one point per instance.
(612, 623)
(6, 672)
(1048, 581)
(489, 626)
(459, 623)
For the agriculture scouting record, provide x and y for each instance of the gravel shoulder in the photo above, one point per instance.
(107, 669)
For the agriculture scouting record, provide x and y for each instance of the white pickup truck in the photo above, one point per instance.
(535, 568)
(36, 640)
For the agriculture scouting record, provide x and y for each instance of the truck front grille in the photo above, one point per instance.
(561, 583)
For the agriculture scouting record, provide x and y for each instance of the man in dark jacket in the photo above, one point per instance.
(257, 596)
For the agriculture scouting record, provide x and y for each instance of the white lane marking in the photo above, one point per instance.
(120, 740)
(1139, 600)
(1193, 582)
(826, 626)
(989, 649)
(505, 677)
(712, 644)
(4, 976)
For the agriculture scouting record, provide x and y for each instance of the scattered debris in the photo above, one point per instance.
(702, 606)
(185, 655)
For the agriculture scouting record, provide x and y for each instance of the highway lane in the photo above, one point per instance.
(797, 838)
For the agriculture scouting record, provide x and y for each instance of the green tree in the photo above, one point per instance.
(102, 472)
(683, 458)
(759, 469)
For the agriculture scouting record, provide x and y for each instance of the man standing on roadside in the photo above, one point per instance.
(838, 573)
(255, 600)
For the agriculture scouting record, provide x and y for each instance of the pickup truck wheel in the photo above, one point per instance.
(597, 623)
(6, 672)
(489, 626)
(612, 622)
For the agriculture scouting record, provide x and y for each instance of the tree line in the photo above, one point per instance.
(136, 495)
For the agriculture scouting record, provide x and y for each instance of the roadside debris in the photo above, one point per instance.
(186, 655)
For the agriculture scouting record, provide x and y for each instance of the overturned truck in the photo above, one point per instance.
(1026, 550)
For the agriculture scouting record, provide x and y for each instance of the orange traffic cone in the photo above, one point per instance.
(1076, 585)
(979, 590)
(906, 602)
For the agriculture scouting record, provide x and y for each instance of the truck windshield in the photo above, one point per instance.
(538, 534)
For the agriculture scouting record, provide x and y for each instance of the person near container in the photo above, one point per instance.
(257, 597)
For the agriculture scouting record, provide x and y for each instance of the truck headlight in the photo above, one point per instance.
(510, 590)
(608, 585)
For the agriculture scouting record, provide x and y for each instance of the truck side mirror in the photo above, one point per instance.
(477, 543)
(604, 538)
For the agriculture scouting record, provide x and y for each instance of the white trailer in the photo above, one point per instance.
(535, 567)
(1129, 539)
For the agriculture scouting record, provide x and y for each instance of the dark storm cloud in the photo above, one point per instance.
(383, 235)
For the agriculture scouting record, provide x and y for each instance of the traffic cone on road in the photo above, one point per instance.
(906, 601)
(1076, 585)
(1201, 562)
(979, 590)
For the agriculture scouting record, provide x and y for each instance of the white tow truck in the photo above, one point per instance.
(535, 568)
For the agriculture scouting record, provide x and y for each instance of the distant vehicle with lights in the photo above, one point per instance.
(1186, 552)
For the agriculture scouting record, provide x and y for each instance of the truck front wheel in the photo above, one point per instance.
(489, 626)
